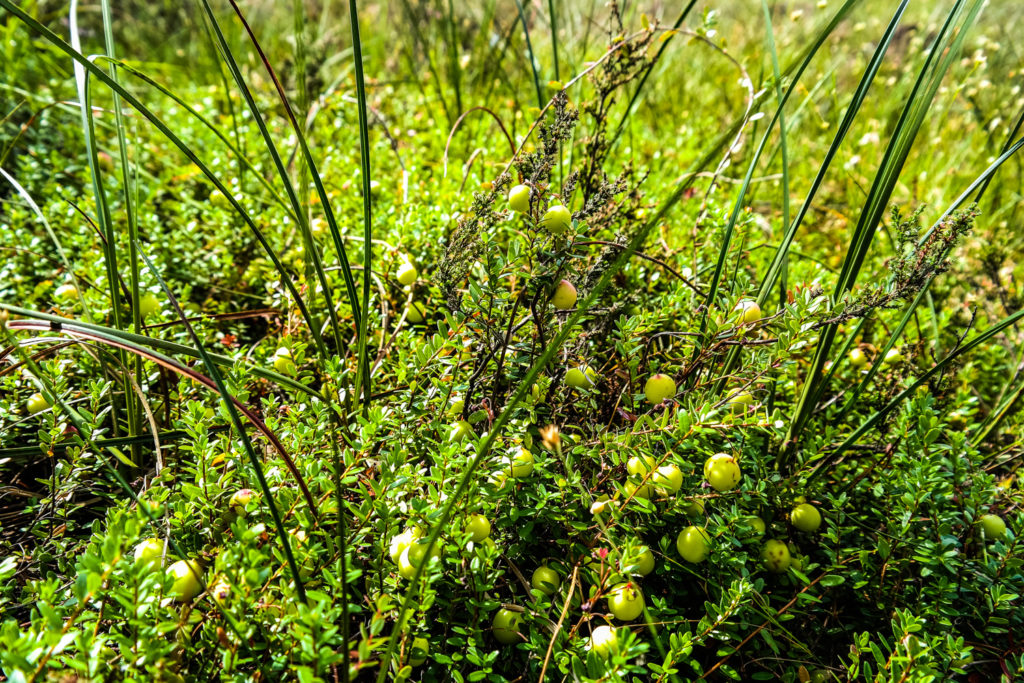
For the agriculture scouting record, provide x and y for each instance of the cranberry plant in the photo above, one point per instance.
(594, 345)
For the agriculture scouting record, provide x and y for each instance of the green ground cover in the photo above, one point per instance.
(510, 340)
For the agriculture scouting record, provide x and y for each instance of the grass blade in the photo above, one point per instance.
(103, 218)
(454, 68)
(775, 269)
(852, 110)
(363, 371)
(530, 55)
(282, 172)
(165, 436)
(134, 405)
(169, 347)
(99, 196)
(976, 341)
(95, 72)
(981, 181)
(413, 24)
(553, 20)
(997, 417)
(243, 160)
(943, 50)
(120, 340)
(782, 132)
(740, 199)
(325, 202)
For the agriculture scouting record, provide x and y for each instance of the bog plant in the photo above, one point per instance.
(596, 402)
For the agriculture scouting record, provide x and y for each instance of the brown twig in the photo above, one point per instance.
(455, 127)
(647, 258)
(558, 626)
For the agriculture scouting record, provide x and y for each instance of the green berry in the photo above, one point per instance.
(805, 517)
(581, 377)
(283, 362)
(519, 198)
(188, 580)
(406, 274)
(739, 401)
(693, 544)
(37, 403)
(658, 388)
(722, 472)
(749, 311)
(668, 480)
(993, 527)
(545, 579)
(626, 601)
(556, 219)
(149, 304)
(506, 626)
(892, 357)
(416, 313)
(149, 551)
(564, 297)
(460, 431)
(604, 640)
(776, 557)
(66, 293)
(418, 653)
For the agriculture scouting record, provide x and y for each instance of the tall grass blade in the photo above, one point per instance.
(103, 218)
(99, 74)
(120, 340)
(321, 190)
(235, 148)
(553, 20)
(311, 254)
(165, 436)
(127, 185)
(454, 67)
(777, 265)
(777, 76)
(362, 357)
(724, 250)
(289, 187)
(981, 182)
(852, 111)
(363, 371)
(976, 341)
(1006, 146)
(943, 50)
(996, 418)
(169, 347)
(530, 55)
(776, 73)
(99, 196)
(230, 105)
